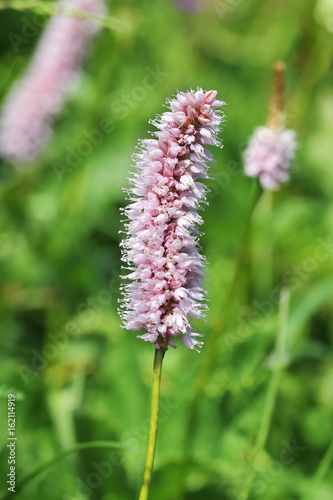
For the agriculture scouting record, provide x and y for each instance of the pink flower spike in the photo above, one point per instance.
(26, 120)
(271, 149)
(268, 156)
(162, 217)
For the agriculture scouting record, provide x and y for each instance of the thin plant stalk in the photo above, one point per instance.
(272, 388)
(154, 409)
(210, 355)
(275, 118)
(208, 362)
(262, 282)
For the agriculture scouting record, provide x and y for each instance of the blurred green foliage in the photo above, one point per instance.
(77, 376)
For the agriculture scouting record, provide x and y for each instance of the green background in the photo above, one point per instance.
(60, 262)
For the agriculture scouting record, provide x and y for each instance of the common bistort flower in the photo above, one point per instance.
(26, 120)
(268, 156)
(161, 248)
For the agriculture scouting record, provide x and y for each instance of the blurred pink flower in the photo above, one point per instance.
(161, 247)
(26, 120)
(268, 156)
(193, 6)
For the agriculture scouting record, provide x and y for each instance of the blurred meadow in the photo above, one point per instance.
(251, 416)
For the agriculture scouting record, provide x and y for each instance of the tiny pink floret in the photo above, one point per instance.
(161, 249)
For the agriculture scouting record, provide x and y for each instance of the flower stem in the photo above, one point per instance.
(272, 388)
(211, 351)
(155, 400)
(208, 362)
(241, 259)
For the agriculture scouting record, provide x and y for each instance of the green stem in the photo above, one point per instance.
(209, 359)
(155, 401)
(322, 469)
(81, 446)
(264, 257)
(243, 250)
(272, 388)
(211, 351)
